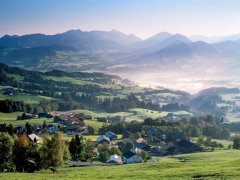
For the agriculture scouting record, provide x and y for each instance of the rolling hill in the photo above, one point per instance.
(207, 165)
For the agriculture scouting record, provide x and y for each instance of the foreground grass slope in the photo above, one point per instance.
(210, 165)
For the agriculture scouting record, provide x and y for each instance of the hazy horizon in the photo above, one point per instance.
(198, 36)
(194, 67)
(142, 18)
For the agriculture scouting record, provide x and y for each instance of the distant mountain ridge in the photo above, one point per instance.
(74, 38)
(117, 53)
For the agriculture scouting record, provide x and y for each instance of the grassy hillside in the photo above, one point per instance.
(138, 114)
(79, 81)
(37, 121)
(95, 124)
(9, 116)
(26, 98)
(210, 165)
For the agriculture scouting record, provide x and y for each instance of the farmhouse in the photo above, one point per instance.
(170, 117)
(72, 121)
(52, 128)
(125, 141)
(8, 91)
(111, 135)
(143, 146)
(26, 116)
(177, 147)
(115, 159)
(33, 138)
(101, 119)
(126, 134)
(89, 117)
(76, 129)
(19, 130)
(141, 140)
(103, 139)
(175, 117)
(163, 149)
(61, 118)
(37, 129)
(44, 115)
(79, 116)
(114, 120)
(53, 114)
(130, 157)
(136, 150)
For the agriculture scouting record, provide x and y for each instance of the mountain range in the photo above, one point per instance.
(161, 46)
(127, 55)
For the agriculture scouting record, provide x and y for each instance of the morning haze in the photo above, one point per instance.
(218, 19)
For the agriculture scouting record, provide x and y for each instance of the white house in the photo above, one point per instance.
(130, 157)
(33, 137)
(141, 140)
(115, 159)
(103, 139)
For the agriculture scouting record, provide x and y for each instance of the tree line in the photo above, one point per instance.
(18, 153)
(208, 126)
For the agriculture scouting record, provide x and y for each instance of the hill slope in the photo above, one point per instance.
(212, 165)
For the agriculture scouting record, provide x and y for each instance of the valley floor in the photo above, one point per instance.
(224, 164)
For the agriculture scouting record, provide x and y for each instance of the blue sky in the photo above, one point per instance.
(143, 18)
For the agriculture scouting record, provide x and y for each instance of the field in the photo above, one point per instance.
(138, 114)
(78, 81)
(36, 121)
(95, 124)
(207, 165)
(11, 118)
(26, 98)
(225, 143)
(66, 79)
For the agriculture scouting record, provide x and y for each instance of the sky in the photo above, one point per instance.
(143, 18)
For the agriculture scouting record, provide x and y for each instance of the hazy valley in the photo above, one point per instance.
(168, 60)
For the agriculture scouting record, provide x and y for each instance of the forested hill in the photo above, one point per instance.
(24, 90)
(60, 90)
(95, 77)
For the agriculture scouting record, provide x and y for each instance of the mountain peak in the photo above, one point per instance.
(179, 37)
(73, 31)
(160, 36)
(9, 36)
(115, 31)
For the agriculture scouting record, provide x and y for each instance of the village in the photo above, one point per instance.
(132, 147)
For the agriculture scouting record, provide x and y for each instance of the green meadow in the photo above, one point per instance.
(224, 164)
(26, 98)
(78, 81)
(137, 114)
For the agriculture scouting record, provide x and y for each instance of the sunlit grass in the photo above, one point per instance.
(206, 165)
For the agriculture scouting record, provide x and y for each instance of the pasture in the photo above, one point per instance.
(222, 164)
